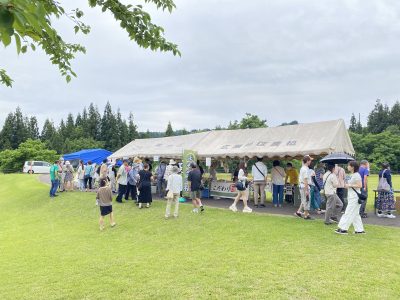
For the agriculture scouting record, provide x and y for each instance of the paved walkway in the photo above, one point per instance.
(286, 210)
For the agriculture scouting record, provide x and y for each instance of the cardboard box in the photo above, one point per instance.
(397, 205)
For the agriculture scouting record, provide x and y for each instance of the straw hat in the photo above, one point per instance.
(67, 163)
(172, 162)
(137, 160)
(175, 170)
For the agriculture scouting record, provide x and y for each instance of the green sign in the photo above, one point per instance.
(189, 156)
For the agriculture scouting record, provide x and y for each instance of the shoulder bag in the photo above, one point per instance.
(362, 197)
(383, 185)
(170, 194)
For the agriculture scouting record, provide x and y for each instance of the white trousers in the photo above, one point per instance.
(169, 203)
(352, 216)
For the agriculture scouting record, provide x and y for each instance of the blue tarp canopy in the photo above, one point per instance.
(95, 155)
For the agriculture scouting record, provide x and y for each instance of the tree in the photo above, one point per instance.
(48, 131)
(169, 131)
(132, 129)
(234, 125)
(33, 128)
(6, 134)
(93, 122)
(290, 123)
(29, 23)
(15, 130)
(109, 128)
(379, 118)
(353, 123)
(13, 160)
(252, 121)
(395, 114)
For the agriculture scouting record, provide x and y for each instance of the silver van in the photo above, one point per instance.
(36, 167)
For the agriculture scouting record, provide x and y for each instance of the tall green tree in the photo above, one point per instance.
(30, 24)
(132, 129)
(109, 130)
(7, 133)
(93, 122)
(379, 118)
(33, 128)
(395, 114)
(169, 131)
(48, 131)
(353, 123)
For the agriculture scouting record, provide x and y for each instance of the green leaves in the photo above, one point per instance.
(5, 79)
(29, 21)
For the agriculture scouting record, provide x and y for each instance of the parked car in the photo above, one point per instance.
(37, 167)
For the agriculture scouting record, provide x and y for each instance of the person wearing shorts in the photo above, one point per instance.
(194, 180)
(104, 200)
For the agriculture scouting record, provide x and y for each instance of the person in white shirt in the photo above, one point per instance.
(259, 172)
(81, 176)
(333, 203)
(278, 176)
(244, 194)
(122, 179)
(352, 213)
(174, 187)
(305, 180)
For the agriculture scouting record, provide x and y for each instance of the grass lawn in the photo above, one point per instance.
(52, 249)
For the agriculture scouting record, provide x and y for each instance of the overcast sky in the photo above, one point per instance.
(283, 60)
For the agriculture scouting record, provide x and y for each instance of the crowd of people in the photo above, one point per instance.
(316, 184)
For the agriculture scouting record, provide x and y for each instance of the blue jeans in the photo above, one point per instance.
(277, 194)
(54, 187)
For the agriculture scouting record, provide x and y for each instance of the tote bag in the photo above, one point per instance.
(383, 185)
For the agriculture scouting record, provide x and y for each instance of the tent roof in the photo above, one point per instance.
(95, 155)
(278, 142)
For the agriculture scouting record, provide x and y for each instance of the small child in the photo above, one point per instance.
(174, 188)
(104, 200)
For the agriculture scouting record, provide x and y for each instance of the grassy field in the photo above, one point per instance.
(53, 249)
(372, 182)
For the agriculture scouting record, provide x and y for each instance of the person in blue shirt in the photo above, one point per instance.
(364, 172)
(88, 175)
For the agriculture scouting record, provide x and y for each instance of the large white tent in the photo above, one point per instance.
(278, 142)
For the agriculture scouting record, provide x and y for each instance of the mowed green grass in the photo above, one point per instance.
(53, 249)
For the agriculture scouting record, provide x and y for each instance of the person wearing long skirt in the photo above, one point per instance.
(352, 213)
(145, 180)
(385, 202)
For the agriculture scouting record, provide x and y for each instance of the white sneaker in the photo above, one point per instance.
(233, 208)
(380, 215)
(247, 209)
(390, 216)
(195, 210)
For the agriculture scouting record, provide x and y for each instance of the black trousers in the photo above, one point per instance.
(131, 190)
(88, 180)
(340, 193)
(121, 192)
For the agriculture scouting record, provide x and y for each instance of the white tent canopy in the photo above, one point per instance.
(278, 142)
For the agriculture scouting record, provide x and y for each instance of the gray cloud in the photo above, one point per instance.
(283, 60)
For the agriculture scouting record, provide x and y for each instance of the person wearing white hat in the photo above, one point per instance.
(174, 190)
(168, 169)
